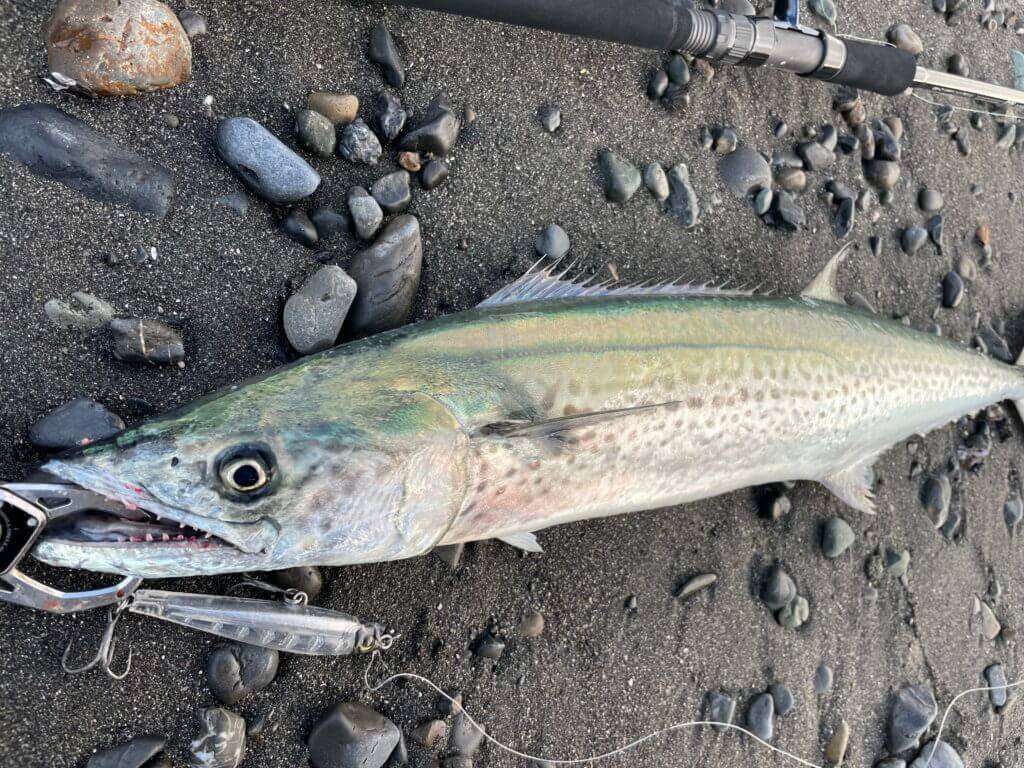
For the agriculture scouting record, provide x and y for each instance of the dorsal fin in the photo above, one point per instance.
(552, 282)
(823, 286)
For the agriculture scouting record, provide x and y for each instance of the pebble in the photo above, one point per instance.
(967, 268)
(74, 424)
(436, 132)
(392, 192)
(678, 70)
(828, 137)
(433, 175)
(1007, 136)
(465, 737)
(656, 181)
(937, 755)
(351, 735)
(891, 762)
(315, 132)
(550, 118)
(429, 733)
(487, 646)
(935, 229)
(935, 496)
(676, 97)
(339, 108)
(844, 219)
(866, 138)
(930, 200)
(836, 537)
(532, 624)
(682, 199)
(331, 226)
(724, 141)
(387, 275)
(358, 144)
(759, 716)
(193, 24)
(778, 589)
(657, 84)
(990, 626)
(57, 146)
(773, 504)
(133, 754)
(84, 312)
(171, 120)
(783, 698)
(825, 10)
(791, 179)
(118, 49)
(390, 116)
(905, 38)
(835, 750)
(882, 174)
(305, 578)
(263, 162)
(785, 213)
(815, 155)
(221, 740)
(896, 563)
(695, 584)
(912, 713)
(384, 53)
(952, 290)
(136, 340)
(236, 202)
(823, 679)
(912, 238)
(621, 178)
(367, 215)
(995, 679)
(314, 314)
(552, 241)
(234, 670)
(957, 64)
(299, 227)
(794, 615)
(721, 709)
(886, 145)
(744, 170)
(763, 201)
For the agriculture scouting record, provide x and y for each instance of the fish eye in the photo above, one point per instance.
(246, 470)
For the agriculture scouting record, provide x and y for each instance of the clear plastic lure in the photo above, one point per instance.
(290, 626)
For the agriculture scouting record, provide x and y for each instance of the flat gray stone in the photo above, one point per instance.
(74, 424)
(263, 162)
(314, 315)
(744, 170)
(388, 276)
(912, 713)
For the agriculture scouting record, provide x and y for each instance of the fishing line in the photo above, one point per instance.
(1000, 115)
(375, 657)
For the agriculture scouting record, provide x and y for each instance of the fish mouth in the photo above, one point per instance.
(140, 522)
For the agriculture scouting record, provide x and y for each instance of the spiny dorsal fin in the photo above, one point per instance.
(552, 282)
(823, 286)
(524, 541)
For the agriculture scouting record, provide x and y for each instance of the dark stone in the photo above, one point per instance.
(221, 740)
(678, 70)
(305, 578)
(57, 146)
(552, 242)
(299, 227)
(759, 716)
(384, 53)
(778, 589)
(388, 275)
(886, 145)
(550, 118)
(785, 212)
(136, 340)
(621, 178)
(657, 85)
(883, 174)
(836, 537)
(234, 670)
(366, 213)
(912, 238)
(392, 192)
(952, 290)
(937, 754)
(744, 170)
(815, 155)
(358, 144)
(487, 646)
(391, 116)
(436, 132)
(843, 221)
(133, 754)
(682, 198)
(783, 698)
(721, 709)
(996, 679)
(193, 24)
(433, 174)
(828, 137)
(315, 132)
(957, 64)
(676, 97)
(936, 493)
(267, 166)
(823, 679)
(73, 425)
(912, 713)
(313, 315)
(351, 735)
(331, 226)
(934, 227)
(930, 200)
(465, 738)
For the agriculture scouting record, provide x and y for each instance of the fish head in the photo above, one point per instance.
(257, 480)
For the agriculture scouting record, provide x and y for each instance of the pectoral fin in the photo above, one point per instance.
(823, 286)
(853, 485)
(524, 541)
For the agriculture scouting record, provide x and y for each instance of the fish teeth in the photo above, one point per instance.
(149, 537)
(165, 537)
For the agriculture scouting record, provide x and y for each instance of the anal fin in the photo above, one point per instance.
(524, 541)
(450, 553)
(853, 485)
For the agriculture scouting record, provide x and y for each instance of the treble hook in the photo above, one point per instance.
(104, 657)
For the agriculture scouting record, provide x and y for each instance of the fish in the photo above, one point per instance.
(555, 400)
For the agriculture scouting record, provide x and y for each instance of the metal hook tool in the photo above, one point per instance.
(104, 657)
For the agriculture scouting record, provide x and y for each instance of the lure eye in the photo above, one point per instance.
(246, 471)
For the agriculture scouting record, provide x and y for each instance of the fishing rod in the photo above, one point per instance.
(779, 41)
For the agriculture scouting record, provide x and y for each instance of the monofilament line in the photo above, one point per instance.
(650, 736)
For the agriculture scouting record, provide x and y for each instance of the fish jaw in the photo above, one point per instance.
(168, 542)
